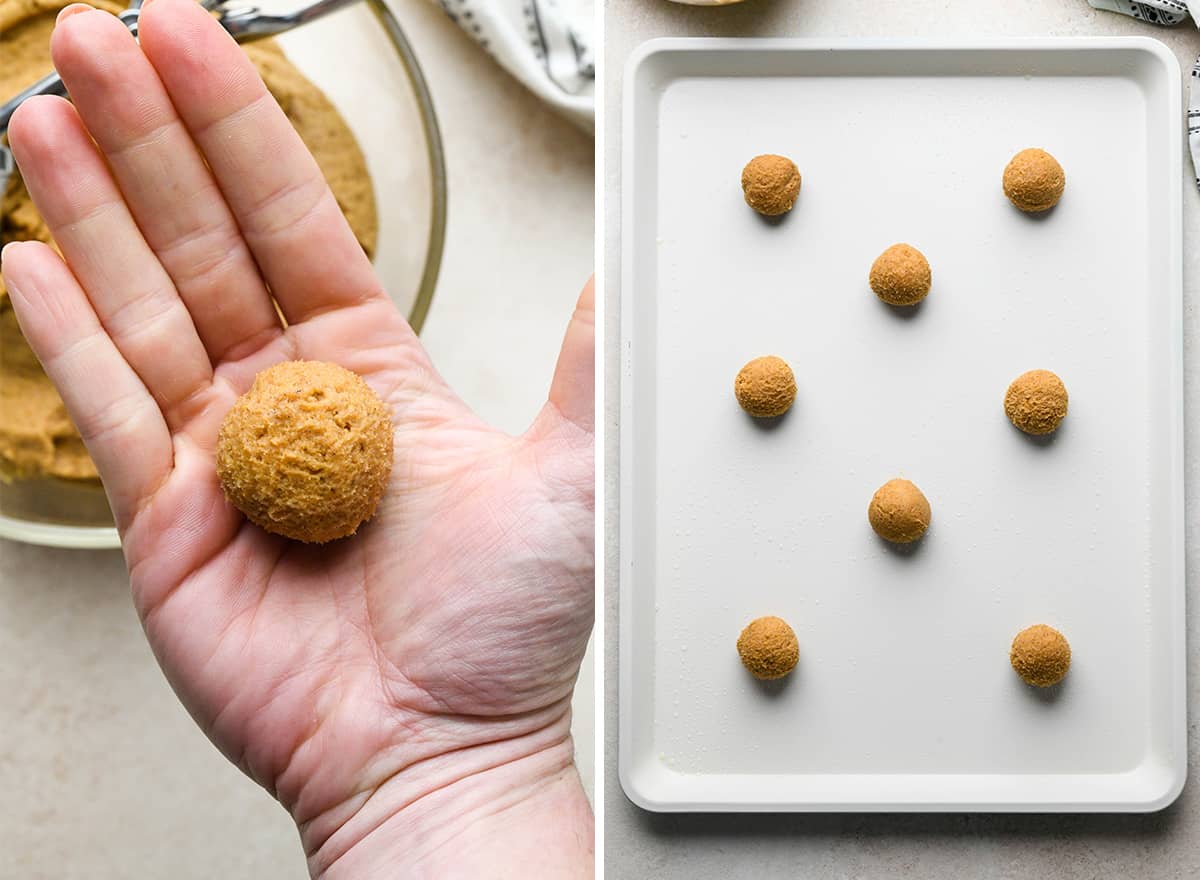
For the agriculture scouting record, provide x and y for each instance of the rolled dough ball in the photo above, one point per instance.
(307, 452)
(1034, 181)
(768, 648)
(765, 387)
(1036, 402)
(1040, 655)
(770, 184)
(901, 276)
(899, 512)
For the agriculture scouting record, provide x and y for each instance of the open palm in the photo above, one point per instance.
(361, 681)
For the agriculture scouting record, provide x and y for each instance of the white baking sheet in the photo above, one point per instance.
(904, 698)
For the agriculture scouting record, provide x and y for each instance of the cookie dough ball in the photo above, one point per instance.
(306, 452)
(768, 648)
(1034, 181)
(765, 387)
(1036, 402)
(901, 276)
(899, 512)
(1040, 655)
(770, 184)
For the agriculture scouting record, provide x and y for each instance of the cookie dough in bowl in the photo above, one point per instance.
(49, 488)
(36, 437)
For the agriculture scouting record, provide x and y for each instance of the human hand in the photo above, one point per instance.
(404, 693)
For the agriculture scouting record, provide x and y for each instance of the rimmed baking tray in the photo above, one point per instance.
(904, 698)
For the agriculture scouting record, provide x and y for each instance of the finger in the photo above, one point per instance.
(130, 291)
(120, 422)
(168, 188)
(296, 231)
(573, 390)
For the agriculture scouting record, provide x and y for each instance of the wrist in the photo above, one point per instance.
(513, 807)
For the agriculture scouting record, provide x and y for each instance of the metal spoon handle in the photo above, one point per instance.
(51, 84)
(250, 24)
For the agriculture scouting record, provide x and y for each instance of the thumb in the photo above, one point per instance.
(573, 391)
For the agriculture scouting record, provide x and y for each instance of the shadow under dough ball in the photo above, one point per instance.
(768, 648)
(771, 184)
(1034, 181)
(765, 387)
(1040, 655)
(1036, 402)
(899, 512)
(901, 275)
(307, 452)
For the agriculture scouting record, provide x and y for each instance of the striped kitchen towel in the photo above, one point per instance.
(545, 46)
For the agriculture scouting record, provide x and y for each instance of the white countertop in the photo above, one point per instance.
(640, 844)
(102, 772)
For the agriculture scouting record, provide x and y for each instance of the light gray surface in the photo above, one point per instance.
(102, 773)
(640, 844)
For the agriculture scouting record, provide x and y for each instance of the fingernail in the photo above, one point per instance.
(14, 293)
(73, 9)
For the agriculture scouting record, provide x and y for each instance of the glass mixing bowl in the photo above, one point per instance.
(363, 62)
